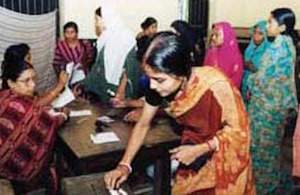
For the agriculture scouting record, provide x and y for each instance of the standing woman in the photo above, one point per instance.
(253, 53)
(116, 71)
(224, 52)
(214, 154)
(72, 49)
(272, 96)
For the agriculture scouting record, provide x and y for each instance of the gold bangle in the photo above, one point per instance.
(126, 165)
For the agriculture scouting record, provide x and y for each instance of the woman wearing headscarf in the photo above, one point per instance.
(272, 97)
(116, 71)
(224, 52)
(253, 53)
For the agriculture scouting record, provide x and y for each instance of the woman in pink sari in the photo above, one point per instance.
(224, 52)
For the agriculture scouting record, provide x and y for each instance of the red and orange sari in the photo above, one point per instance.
(211, 107)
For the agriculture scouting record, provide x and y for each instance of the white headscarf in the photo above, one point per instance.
(118, 41)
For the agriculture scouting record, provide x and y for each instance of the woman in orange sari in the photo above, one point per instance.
(214, 154)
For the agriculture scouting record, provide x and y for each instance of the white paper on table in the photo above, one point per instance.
(104, 137)
(118, 192)
(64, 98)
(77, 75)
(105, 119)
(78, 113)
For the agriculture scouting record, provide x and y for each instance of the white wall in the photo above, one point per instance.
(244, 13)
(133, 13)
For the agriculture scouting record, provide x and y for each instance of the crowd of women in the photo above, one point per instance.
(232, 107)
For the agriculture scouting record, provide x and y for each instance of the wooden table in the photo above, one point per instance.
(85, 157)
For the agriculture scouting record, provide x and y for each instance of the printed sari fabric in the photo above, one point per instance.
(26, 138)
(82, 53)
(211, 107)
(253, 54)
(273, 94)
(227, 56)
(296, 148)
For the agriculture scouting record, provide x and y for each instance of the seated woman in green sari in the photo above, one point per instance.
(116, 71)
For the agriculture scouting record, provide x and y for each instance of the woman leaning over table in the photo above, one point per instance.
(214, 154)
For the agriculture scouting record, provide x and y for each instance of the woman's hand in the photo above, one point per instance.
(134, 115)
(187, 154)
(249, 66)
(77, 90)
(113, 179)
(63, 78)
(118, 102)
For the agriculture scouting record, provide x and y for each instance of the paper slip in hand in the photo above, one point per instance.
(64, 98)
(77, 113)
(77, 75)
(69, 68)
(104, 137)
(105, 119)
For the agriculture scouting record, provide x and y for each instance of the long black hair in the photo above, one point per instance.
(16, 52)
(287, 17)
(14, 64)
(169, 53)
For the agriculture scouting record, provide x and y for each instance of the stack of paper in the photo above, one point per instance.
(74, 75)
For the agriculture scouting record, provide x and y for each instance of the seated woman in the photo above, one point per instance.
(253, 53)
(116, 71)
(72, 49)
(27, 130)
(214, 154)
(224, 52)
(20, 52)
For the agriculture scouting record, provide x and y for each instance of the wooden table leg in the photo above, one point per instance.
(162, 176)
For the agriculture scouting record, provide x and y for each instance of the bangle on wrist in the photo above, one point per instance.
(209, 146)
(126, 165)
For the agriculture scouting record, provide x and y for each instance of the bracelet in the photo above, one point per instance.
(209, 146)
(127, 165)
